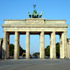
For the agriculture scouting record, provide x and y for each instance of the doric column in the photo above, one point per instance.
(63, 45)
(4, 47)
(27, 45)
(7, 45)
(16, 46)
(68, 48)
(52, 45)
(42, 51)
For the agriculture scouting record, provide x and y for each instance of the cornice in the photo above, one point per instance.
(34, 26)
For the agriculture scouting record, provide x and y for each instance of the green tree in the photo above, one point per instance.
(11, 49)
(47, 51)
(58, 49)
(36, 54)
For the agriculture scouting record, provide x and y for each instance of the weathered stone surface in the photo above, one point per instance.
(27, 45)
(52, 46)
(68, 48)
(16, 50)
(42, 50)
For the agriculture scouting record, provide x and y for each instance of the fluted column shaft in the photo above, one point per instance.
(16, 52)
(7, 45)
(42, 51)
(27, 45)
(4, 47)
(63, 45)
(18, 44)
(52, 45)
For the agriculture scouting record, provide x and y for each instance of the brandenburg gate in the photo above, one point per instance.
(35, 26)
(38, 26)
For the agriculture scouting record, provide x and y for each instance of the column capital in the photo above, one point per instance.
(16, 31)
(42, 31)
(4, 31)
(27, 31)
(65, 32)
(53, 31)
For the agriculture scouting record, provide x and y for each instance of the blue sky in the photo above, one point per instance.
(18, 9)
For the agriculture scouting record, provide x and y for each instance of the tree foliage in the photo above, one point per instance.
(47, 51)
(36, 54)
(58, 49)
(11, 49)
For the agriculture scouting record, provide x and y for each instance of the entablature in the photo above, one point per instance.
(35, 23)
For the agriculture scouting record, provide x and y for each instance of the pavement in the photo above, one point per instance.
(35, 64)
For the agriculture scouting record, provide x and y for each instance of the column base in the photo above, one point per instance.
(53, 58)
(42, 57)
(27, 57)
